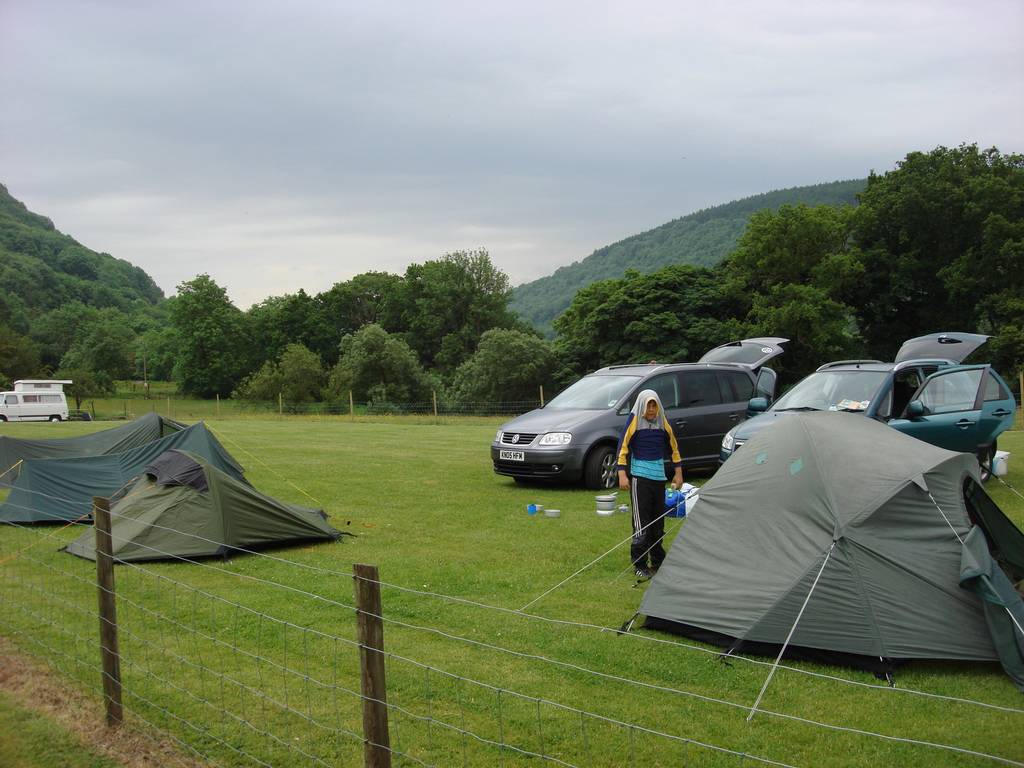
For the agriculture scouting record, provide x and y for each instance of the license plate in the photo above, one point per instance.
(513, 455)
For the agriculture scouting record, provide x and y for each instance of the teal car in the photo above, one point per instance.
(926, 393)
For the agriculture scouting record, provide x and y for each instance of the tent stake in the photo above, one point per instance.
(792, 629)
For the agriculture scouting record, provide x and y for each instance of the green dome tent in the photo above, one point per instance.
(872, 524)
(142, 430)
(184, 507)
(60, 490)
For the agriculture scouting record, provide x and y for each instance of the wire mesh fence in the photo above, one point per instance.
(256, 661)
(191, 409)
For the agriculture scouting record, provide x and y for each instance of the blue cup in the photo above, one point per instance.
(531, 509)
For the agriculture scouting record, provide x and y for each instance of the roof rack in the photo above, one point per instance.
(924, 360)
(837, 363)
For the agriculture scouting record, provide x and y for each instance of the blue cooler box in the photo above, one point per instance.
(675, 503)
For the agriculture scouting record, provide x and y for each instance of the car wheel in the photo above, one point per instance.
(985, 458)
(3, 418)
(55, 417)
(599, 471)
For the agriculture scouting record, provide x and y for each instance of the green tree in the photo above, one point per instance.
(940, 240)
(796, 269)
(105, 345)
(213, 339)
(19, 357)
(297, 376)
(57, 330)
(818, 327)
(156, 351)
(445, 306)
(295, 318)
(368, 298)
(507, 366)
(374, 365)
(86, 383)
(795, 245)
(674, 314)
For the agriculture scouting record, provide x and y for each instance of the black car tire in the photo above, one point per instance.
(3, 418)
(55, 417)
(599, 471)
(985, 458)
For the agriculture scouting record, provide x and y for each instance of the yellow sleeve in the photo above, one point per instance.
(677, 458)
(627, 435)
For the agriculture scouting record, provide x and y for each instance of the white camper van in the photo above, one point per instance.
(35, 400)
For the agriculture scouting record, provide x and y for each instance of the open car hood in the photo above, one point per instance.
(752, 353)
(953, 346)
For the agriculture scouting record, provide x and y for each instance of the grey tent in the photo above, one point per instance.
(58, 490)
(184, 507)
(142, 430)
(875, 516)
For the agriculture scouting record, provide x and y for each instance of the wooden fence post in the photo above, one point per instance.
(280, 404)
(218, 405)
(351, 406)
(168, 406)
(370, 629)
(541, 395)
(109, 652)
(434, 394)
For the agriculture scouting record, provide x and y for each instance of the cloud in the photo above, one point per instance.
(280, 146)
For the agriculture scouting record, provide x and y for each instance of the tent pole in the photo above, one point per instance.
(789, 637)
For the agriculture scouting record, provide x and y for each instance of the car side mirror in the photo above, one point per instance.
(915, 409)
(757, 405)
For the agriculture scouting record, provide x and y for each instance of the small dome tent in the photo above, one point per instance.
(869, 522)
(61, 490)
(184, 507)
(145, 429)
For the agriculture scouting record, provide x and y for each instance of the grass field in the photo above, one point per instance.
(428, 510)
(30, 740)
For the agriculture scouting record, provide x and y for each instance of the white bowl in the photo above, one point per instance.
(553, 512)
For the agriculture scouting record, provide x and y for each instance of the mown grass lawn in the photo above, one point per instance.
(31, 740)
(427, 509)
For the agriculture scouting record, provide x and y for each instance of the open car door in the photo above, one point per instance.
(946, 409)
(953, 346)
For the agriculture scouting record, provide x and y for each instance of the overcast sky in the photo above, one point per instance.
(291, 145)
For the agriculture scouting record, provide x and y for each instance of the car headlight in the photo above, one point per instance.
(729, 441)
(556, 438)
(497, 437)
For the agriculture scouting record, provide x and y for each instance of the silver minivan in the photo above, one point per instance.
(574, 436)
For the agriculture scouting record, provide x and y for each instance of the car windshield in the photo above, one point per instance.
(594, 393)
(833, 391)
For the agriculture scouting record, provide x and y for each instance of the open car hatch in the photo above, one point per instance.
(750, 352)
(953, 346)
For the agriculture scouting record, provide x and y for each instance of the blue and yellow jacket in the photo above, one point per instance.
(648, 444)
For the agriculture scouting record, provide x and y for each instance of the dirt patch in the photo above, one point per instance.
(36, 687)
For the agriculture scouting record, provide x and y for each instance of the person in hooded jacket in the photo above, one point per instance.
(647, 442)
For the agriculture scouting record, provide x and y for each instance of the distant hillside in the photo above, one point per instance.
(702, 238)
(42, 269)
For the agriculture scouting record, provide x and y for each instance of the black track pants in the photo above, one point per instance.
(648, 497)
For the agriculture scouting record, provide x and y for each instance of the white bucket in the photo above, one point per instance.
(1000, 463)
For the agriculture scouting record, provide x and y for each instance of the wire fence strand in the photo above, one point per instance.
(297, 677)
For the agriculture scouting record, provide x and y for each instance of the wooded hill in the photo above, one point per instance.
(42, 269)
(702, 238)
